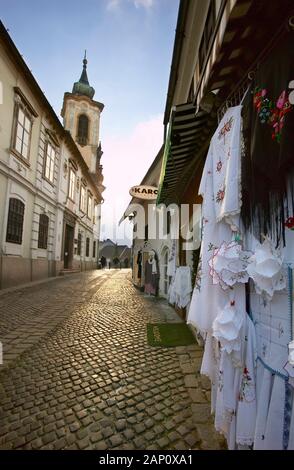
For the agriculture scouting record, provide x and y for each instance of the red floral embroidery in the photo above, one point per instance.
(220, 195)
(245, 392)
(272, 113)
(290, 223)
(278, 118)
(219, 167)
(227, 127)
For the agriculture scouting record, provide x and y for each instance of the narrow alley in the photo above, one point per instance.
(78, 372)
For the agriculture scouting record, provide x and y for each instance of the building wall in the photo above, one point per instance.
(89, 228)
(25, 262)
(156, 241)
(193, 33)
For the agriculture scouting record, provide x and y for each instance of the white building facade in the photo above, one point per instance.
(50, 184)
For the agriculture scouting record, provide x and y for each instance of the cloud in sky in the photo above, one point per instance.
(126, 160)
(115, 4)
(112, 4)
(143, 3)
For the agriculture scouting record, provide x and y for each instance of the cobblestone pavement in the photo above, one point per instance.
(78, 372)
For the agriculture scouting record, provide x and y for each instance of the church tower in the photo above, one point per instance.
(81, 117)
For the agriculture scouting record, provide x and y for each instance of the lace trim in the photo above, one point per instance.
(245, 441)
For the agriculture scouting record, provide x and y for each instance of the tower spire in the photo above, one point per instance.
(82, 87)
(84, 76)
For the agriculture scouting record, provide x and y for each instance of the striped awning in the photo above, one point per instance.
(185, 138)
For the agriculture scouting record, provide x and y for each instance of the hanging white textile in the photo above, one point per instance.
(235, 410)
(171, 295)
(218, 303)
(272, 312)
(266, 269)
(181, 287)
(220, 189)
(247, 400)
(152, 260)
(171, 265)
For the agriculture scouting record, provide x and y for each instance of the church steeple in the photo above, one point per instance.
(84, 76)
(82, 87)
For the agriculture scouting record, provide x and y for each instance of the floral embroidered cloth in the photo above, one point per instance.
(226, 172)
(227, 326)
(171, 266)
(228, 265)
(266, 269)
(272, 316)
(219, 212)
(235, 391)
(268, 130)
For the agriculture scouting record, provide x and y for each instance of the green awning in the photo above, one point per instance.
(185, 138)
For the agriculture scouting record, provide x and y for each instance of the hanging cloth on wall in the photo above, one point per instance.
(268, 131)
(151, 274)
(221, 205)
(171, 265)
(183, 286)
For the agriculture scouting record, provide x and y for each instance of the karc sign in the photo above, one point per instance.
(144, 192)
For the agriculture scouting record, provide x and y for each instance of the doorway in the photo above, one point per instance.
(68, 246)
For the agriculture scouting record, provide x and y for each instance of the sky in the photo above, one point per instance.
(129, 47)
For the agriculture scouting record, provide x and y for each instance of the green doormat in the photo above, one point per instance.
(169, 334)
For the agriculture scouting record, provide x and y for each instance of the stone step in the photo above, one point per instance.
(63, 272)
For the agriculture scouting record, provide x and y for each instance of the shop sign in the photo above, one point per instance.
(144, 192)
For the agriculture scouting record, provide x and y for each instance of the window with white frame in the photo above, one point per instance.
(90, 206)
(22, 132)
(95, 213)
(72, 184)
(83, 200)
(49, 162)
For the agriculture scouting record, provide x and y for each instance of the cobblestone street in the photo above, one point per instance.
(78, 372)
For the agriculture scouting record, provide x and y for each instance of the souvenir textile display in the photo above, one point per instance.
(181, 287)
(268, 157)
(228, 265)
(272, 316)
(221, 204)
(218, 305)
(265, 267)
(171, 266)
(227, 325)
(151, 273)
